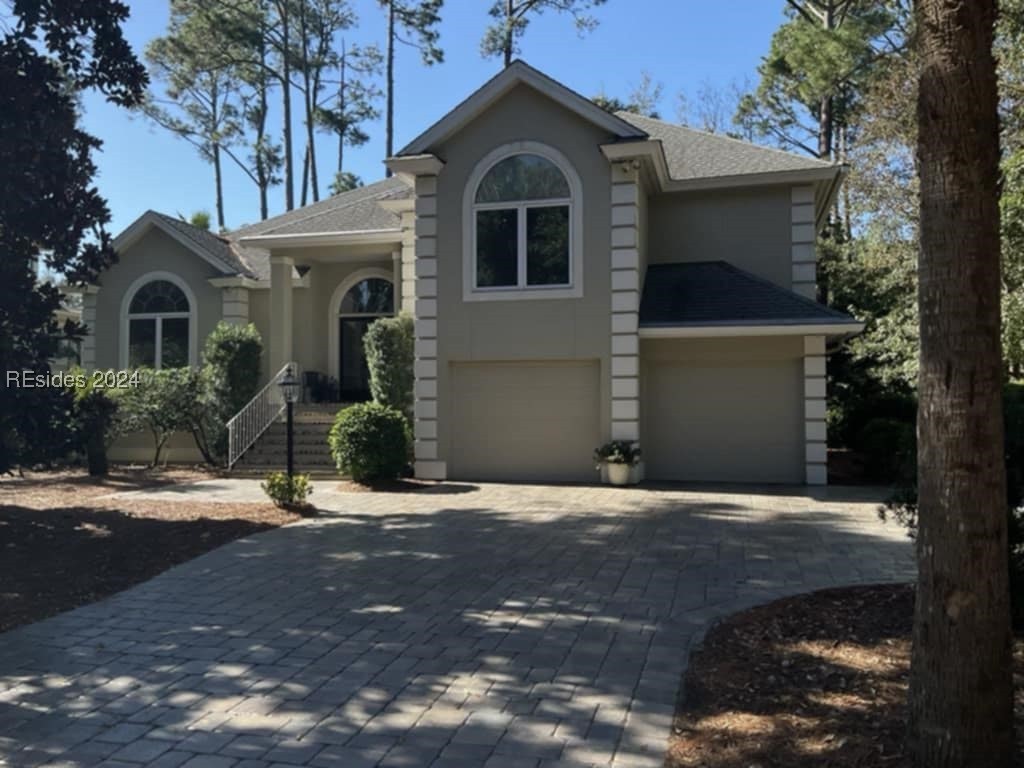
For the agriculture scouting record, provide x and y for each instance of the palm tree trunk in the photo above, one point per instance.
(961, 704)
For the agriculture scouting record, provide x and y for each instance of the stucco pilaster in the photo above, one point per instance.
(235, 305)
(407, 273)
(625, 303)
(424, 309)
(815, 432)
(803, 238)
(88, 353)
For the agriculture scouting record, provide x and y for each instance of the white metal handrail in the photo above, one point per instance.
(256, 416)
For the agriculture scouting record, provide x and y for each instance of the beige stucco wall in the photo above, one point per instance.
(749, 228)
(723, 409)
(563, 329)
(137, 448)
(154, 251)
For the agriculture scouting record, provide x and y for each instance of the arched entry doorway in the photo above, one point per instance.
(366, 296)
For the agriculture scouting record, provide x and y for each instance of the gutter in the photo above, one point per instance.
(354, 237)
(845, 330)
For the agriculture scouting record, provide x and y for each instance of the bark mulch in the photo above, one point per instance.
(62, 544)
(405, 485)
(815, 680)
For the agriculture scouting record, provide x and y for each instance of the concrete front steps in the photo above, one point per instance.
(310, 451)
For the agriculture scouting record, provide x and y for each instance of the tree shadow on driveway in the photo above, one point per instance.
(535, 628)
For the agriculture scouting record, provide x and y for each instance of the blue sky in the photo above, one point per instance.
(681, 43)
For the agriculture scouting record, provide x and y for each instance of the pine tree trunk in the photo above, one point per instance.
(509, 30)
(309, 98)
(961, 703)
(219, 181)
(286, 97)
(262, 172)
(389, 130)
(305, 177)
(341, 106)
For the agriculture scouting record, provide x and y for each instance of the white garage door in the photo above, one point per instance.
(719, 422)
(525, 421)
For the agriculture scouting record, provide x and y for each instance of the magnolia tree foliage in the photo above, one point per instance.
(50, 53)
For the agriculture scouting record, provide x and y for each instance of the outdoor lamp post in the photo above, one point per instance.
(289, 384)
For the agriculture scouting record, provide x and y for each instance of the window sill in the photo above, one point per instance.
(523, 294)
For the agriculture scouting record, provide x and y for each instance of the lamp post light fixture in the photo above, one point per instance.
(289, 384)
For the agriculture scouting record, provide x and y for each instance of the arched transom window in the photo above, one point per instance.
(522, 225)
(158, 326)
(372, 296)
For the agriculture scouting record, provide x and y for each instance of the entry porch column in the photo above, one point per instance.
(280, 312)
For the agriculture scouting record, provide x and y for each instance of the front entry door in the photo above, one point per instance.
(354, 374)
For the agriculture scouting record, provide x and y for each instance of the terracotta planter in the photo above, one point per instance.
(618, 474)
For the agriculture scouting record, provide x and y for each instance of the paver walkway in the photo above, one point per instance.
(461, 626)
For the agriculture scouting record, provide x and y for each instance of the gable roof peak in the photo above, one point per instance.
(519, 73)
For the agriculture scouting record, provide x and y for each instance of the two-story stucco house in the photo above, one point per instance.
(575, 276)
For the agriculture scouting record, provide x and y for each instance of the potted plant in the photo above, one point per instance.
(619, 456)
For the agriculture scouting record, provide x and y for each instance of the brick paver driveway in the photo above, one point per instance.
(469, 626)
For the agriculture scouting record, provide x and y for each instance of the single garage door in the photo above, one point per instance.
(721, 422)
(525, 421)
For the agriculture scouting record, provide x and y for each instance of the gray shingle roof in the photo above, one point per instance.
(353, 211)
(693, 154)
(357, 210)
(715, 293)
(219, 249)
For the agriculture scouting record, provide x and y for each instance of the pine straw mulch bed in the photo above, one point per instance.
(62, 544)
(815, 680)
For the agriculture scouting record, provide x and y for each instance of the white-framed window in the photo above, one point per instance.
(523, 227)
(158, 324)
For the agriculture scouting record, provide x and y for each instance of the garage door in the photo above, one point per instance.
(525, 421)
(717, 422)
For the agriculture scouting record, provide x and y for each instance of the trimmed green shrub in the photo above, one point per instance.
(370, 442)
(231, 357)
(388, 344)
(287, 491)
(230, 379)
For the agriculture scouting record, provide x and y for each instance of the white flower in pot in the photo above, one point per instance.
(619, 456)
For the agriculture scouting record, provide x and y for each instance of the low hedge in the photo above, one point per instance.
(370, 442)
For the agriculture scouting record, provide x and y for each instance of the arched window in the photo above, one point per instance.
(372, 296)
(364, 302)
(159, 329)
(523, 225)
